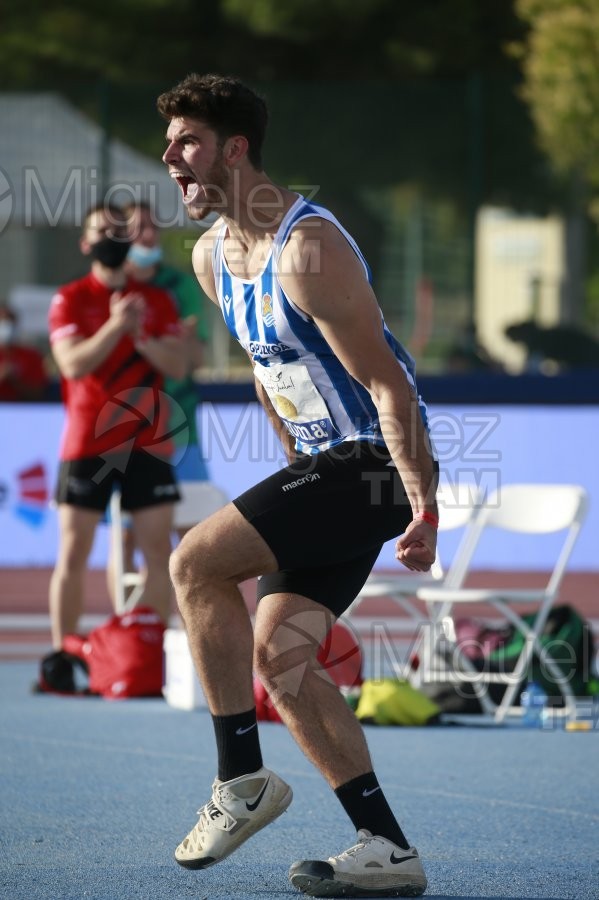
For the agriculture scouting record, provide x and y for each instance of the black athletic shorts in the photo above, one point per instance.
(144, 480)
(326, 518)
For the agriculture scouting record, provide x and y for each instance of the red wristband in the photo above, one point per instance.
(429, 518)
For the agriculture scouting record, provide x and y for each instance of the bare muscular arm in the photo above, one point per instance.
(338, 297)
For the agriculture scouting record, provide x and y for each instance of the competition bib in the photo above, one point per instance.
(297, 401)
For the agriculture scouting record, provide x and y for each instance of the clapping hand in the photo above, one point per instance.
(129, 311)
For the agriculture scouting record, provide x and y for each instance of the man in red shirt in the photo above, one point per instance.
(113, 340)
(22, 373)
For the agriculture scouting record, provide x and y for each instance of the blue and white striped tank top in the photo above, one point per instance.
(318, 401)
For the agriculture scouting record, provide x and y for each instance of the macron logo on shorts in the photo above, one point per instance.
(300, 481)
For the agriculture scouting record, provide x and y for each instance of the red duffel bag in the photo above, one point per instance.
(124, 655)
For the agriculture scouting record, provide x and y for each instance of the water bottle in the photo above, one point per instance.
(534, 705)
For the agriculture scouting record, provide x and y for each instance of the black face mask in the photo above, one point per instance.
(110, 252)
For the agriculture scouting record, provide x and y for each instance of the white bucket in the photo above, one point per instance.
(181, 686)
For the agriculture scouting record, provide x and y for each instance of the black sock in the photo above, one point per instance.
(237, 744)
(363, 800)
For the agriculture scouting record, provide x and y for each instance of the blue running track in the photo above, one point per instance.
(95, 795)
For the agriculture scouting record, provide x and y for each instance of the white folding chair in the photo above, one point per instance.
(533, 509)
(457, 504)
(122, 579)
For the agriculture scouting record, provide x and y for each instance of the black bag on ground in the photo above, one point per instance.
(452, 698)
(61, 673)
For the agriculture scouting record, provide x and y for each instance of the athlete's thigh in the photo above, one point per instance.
(226, 546)
(333, 587)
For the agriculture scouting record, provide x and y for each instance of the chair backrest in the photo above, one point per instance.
(537, 509)
(458, 507)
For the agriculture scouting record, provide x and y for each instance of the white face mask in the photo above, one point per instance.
(143, 257)
(7, 332)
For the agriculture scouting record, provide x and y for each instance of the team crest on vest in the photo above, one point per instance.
(267, 315)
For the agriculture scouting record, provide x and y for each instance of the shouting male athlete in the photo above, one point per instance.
(295, 291)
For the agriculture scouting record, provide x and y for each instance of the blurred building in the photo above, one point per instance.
(520, 274)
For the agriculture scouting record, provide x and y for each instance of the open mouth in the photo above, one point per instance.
(189, 186)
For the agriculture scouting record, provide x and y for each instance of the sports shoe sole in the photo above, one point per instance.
(258, 823)
(317, 879)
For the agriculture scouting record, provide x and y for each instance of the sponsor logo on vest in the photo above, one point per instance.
(310, 432)
(266, 349)
(300, 481)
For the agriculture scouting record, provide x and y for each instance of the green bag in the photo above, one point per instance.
(568, 639)
(391, 701)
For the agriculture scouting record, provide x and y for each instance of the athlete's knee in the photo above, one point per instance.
(280, 652)
(181, 566)
(190, 564)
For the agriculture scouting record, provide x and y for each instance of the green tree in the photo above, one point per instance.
(561, 66)
(393, 80)
(365, 95)
(129, 40)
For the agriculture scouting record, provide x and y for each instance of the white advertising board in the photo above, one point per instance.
(488, 445)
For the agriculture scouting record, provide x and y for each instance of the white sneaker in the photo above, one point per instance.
(237, 810)
(373, 867)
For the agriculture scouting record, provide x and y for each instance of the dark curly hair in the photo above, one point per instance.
(224, 104)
